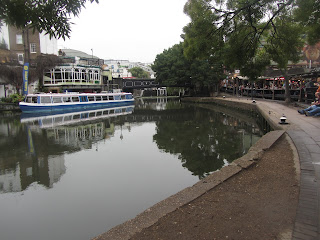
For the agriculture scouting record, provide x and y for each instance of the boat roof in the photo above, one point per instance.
(75, 94)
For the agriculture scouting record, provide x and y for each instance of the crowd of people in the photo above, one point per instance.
(276, 84)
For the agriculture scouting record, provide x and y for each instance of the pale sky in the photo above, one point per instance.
(134, 30)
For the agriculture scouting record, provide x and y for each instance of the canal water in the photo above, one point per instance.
(75, 176)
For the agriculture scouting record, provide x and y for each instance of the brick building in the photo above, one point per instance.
(22, 45)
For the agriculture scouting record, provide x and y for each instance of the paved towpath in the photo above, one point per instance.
(305, 133)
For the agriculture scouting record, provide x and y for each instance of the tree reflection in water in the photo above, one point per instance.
(207, 140)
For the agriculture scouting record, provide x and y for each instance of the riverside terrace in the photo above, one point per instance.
(297, 94)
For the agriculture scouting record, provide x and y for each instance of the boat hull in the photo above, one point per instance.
(51, 108)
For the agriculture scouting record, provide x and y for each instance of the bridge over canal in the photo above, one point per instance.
(135, 83)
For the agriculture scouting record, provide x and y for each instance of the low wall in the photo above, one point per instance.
(234, 105)
(9, 107)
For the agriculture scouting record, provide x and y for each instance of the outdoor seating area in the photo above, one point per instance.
(299, 94)
(301, 89)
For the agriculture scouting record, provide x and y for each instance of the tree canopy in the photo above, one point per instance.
(173, 68)
(51, 17)
(248, 34)
(139, 72)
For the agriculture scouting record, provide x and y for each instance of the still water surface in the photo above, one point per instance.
(65, 180)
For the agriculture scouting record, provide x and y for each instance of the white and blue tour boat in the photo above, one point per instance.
(71, 101)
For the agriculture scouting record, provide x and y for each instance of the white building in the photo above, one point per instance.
(120, 68)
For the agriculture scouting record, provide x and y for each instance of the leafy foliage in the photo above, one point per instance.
(14, 98)
(51, 17)
(175, 69)
(172, 67)
(257, 31)
(197, 43)
(308, 14)
(204, 143)
(139, 72)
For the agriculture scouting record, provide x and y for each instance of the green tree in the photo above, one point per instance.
(51, 17)
(252, 27)
(139, 72)
(173, 68)
(284, 44)
(199, 45)
(308, 14)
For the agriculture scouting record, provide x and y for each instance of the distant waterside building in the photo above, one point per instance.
(121, 68)
(79, 72)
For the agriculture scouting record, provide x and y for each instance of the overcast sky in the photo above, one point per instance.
(134, 30)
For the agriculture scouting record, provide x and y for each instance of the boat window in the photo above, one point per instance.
(58, 119)
(76, 116)
(92, 114)
(84, 115)
(91, 98)
(83, 99)
(128, 96)
(31, 100)
(45, 100)
(47, 73)
(66, 99)
(123, 97)
(75, 99)
(98, 98)
(57, 100)
(117, 97)
(110, 97)
(99, 113)
(111, 111)
(105, 98)
(47, 121)
(67, 118)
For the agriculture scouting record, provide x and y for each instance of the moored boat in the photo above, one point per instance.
(53, 102)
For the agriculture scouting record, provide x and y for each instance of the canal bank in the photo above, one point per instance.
(271, 206)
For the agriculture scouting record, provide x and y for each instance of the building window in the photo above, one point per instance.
(19, 39)
(20, 58)
(33, 48)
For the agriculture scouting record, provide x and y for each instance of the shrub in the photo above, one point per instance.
(14, 98)
(5, 100)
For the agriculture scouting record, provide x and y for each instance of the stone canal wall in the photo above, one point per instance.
(239, 105)
(9, 107)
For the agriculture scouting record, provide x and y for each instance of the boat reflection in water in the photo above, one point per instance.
(47, 138)
(61, 119)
